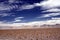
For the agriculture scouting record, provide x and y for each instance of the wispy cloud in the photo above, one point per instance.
(53, 21)
(11, 1)
(4, 7)
(50, 3)
(5, 14)
(47, 4)
(15, 1)
(48, 15)
(44, 4)
(51, 14)
(52, 10)
(18, 19)
(24, 7)
(10, 6)
(51, 7)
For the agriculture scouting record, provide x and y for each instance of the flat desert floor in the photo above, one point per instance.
(31, 34)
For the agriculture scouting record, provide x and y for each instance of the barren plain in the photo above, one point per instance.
(31, 34)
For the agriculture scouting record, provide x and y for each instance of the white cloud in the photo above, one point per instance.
(45, 4)
(55, 18)
(18, 19)
(37, 4)
(4, 8)
(50, 4)
(54, 21)
(51, 14)
(52, 10)
(48, 15)
(11, 1)
(4, 14)
(23, 7)
(9, 7)
(48, 22)
(15, 1)
(29, 6)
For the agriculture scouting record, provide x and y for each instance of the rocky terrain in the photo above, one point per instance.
(31, 34)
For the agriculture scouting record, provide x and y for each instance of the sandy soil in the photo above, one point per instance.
(31, 34)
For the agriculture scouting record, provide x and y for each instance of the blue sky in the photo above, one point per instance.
(28, 14)
(26, 11)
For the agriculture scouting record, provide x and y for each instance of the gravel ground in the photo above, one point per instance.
(31, 34)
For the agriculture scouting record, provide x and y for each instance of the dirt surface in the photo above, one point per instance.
(31, 34)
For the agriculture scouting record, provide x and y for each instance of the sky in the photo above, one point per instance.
(29, 12)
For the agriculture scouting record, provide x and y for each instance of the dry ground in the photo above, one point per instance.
(31, 34)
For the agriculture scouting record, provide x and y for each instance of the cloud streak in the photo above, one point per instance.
(18, 19)
(50, 14)
(50, 3)
(53, 21)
